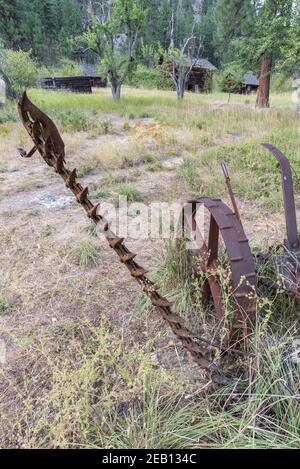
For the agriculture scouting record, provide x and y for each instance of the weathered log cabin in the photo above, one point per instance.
(201, 76)
(240, 84)
(75, 84)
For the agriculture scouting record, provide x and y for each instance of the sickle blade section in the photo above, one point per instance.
(31, 117)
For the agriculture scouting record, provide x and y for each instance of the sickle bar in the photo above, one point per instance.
(49, 144)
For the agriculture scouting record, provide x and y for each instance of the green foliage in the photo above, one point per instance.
(19, 69)
(242, 30)
(71, 24)
(234, 18)
(73, 121)
(114, 39)
(85, 254)
(290, 48)
(259, 35)
(98, 192)
(69, 68)
(146, 77)
(4, 305)
(208, 30)
(281, 82)
(229, 80)
(43, 72)
(8, 113)
(270, 34)
(45, 27)
(131, 192)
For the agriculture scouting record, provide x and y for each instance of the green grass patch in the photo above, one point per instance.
(4, 305)
(85, 254)
(131, 192)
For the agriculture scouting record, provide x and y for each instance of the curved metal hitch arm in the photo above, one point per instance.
(288, 196)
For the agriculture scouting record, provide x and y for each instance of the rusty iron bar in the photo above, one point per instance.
(230, 190)
(288, 196)
(51, 147)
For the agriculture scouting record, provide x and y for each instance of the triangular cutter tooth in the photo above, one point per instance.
(93, 212)
(71, 178)
(115, 242)
(139, 272)
(128, 257)
(83, 195)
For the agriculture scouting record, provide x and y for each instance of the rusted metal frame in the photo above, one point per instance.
(242, 262)
(288, 196)
(208, 262)
(51, 147)
(242, 265)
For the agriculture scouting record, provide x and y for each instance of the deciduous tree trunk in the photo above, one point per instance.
(180, 88)
(263, 94)
(10, 94)
(116, 90)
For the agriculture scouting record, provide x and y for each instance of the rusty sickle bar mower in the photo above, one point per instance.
(48, 142)
(223, 221)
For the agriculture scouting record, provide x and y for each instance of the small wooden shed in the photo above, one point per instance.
(240, 84)
(200, 79)
(75, 84)
(250, 82)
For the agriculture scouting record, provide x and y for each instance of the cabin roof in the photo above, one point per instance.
(204, 63)
(250, 79)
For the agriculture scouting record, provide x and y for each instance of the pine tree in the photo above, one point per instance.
(234, 18)
(272, 29)
(208, 31)
(10, 22)
(72, 24)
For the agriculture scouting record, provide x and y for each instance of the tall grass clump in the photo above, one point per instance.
(131, 193)
(85, 254)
